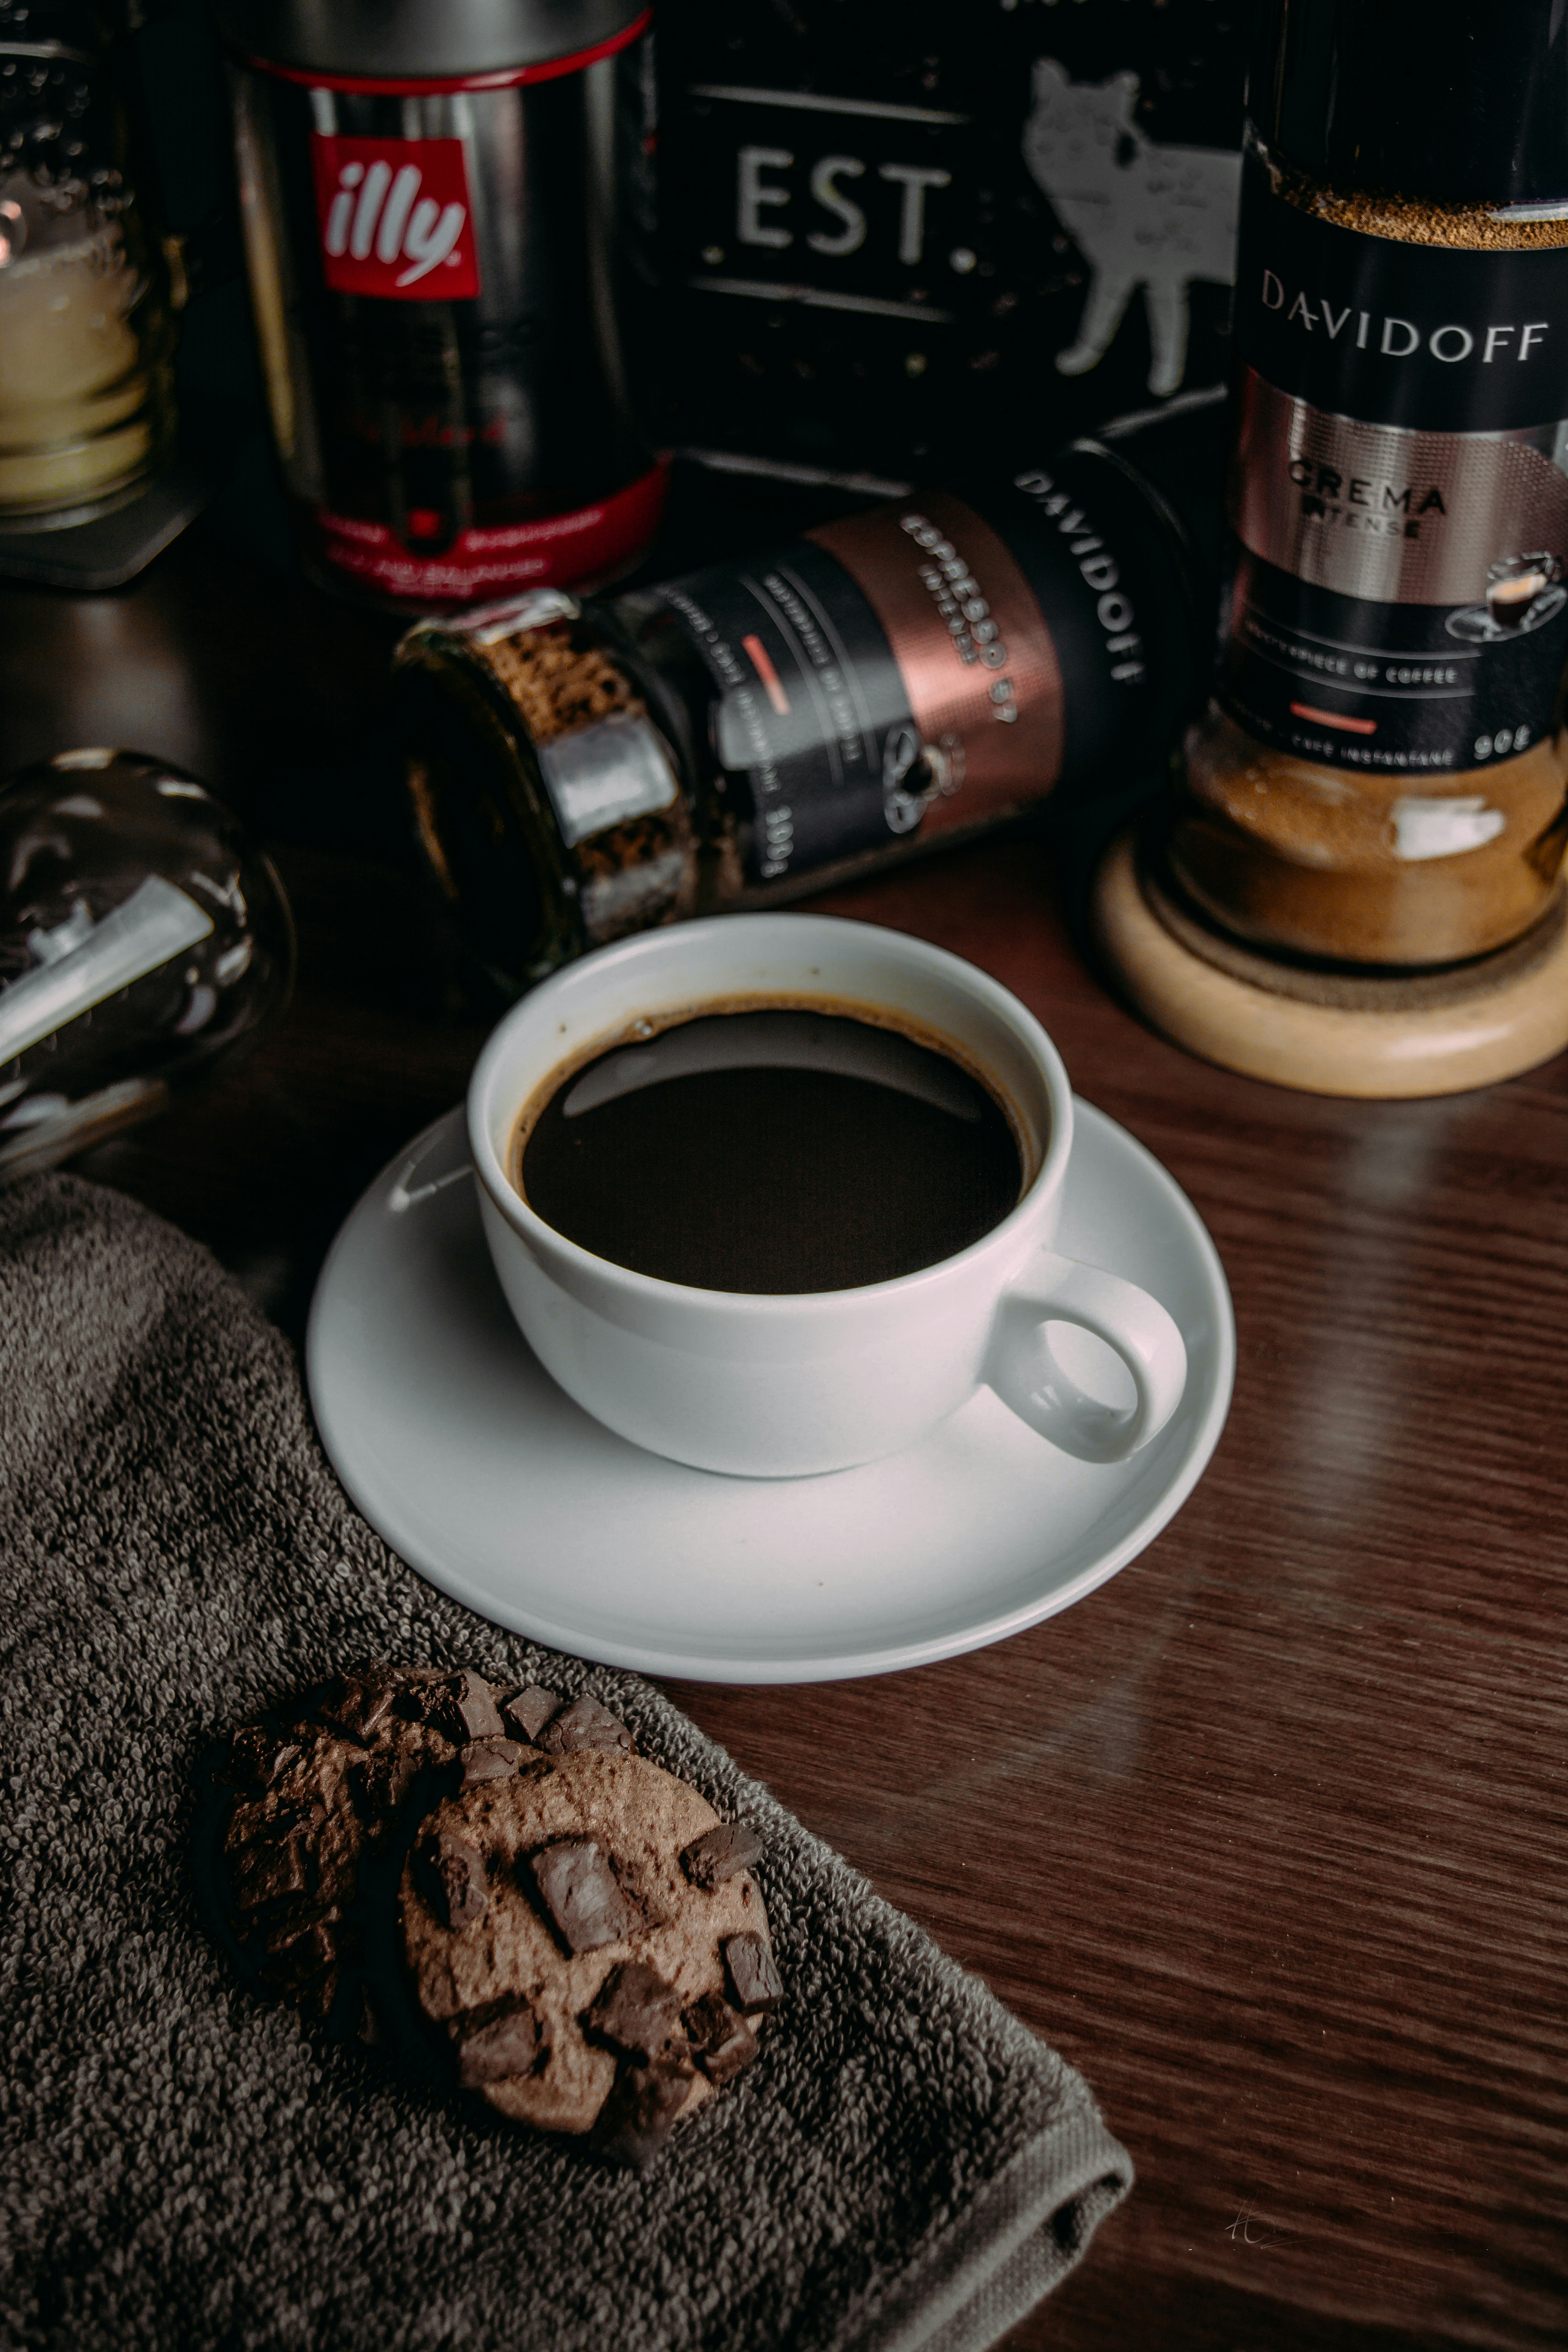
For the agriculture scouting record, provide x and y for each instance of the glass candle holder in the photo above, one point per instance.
(142, 938)
(87, 317)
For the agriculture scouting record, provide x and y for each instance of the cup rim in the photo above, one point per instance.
(776, 1306)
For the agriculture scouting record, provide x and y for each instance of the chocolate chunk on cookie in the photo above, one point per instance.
(361, 1699)
(452, 1874)
(498, 2043)
(379, 1783)
(640, 2113)
(464, 1708)
(721, 2041)
(298, 1952)
(585, 1723)
(754, 1979)
(723, 1854)
(527, 1711)
(489, 1760)
(267, 1871)
(579, 1889)
(256, 1756)
(637, 2012)
(269, 1824)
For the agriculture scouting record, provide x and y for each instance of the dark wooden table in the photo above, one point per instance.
(1266, 1835)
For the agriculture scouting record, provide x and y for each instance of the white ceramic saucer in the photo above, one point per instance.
(463, 1453)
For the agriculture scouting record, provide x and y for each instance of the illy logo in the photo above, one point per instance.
(396, 217)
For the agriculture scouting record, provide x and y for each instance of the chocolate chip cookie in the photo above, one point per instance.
(588, 1937)
(319, 1788)
(582, 1938)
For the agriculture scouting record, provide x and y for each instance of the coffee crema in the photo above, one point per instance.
(771, 1150)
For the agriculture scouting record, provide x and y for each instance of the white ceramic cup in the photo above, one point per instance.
(770, 1386)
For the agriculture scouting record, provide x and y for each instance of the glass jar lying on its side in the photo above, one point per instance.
(881, 687)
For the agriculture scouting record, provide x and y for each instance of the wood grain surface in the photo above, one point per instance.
(1266, 1835)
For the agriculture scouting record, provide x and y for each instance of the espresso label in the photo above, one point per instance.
(981, 675)
(1398, 595)
(885, 676)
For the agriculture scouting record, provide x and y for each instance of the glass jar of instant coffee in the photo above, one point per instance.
(881, 687)
(442, 202)
(1381, 776)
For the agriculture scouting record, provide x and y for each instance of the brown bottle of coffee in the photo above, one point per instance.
(1379, 779)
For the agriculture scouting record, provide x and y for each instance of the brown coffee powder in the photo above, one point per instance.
(630, 871)
(631, 874)
(1411, 221)
(1289, 854)
(557, 683)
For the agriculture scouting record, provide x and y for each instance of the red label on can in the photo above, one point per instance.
(583, 544)
(396, 218)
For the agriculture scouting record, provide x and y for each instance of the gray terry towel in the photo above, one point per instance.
(183, 2166)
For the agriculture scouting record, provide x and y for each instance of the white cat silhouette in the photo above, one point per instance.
(1139, 213)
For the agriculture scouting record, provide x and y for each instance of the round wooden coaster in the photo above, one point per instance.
(1326, 1031)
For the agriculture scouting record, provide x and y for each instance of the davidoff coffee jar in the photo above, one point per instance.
(1380, 779)
(881, 687)
(441, 200)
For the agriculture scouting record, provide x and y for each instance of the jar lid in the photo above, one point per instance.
(428, 40)
(1435, 99)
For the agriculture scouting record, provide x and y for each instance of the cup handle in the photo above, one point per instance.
(1024, 1374)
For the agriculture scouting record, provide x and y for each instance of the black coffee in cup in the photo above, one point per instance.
(1514, 586)
(781, 1148)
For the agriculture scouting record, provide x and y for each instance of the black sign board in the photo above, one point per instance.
(896, 240)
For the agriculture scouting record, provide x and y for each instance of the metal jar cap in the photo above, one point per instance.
(402, 40)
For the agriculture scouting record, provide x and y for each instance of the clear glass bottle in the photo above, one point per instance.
(86, 317)
(876, 689)
(1380, 778)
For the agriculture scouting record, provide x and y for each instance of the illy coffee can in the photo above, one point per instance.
(444, 202)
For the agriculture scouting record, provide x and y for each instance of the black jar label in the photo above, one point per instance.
(886, 675)
(1398, 590)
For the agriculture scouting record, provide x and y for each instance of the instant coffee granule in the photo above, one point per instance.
(641, 870)
(1289, 854)
(558, 684)
(1475, 228)
(629, 868)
